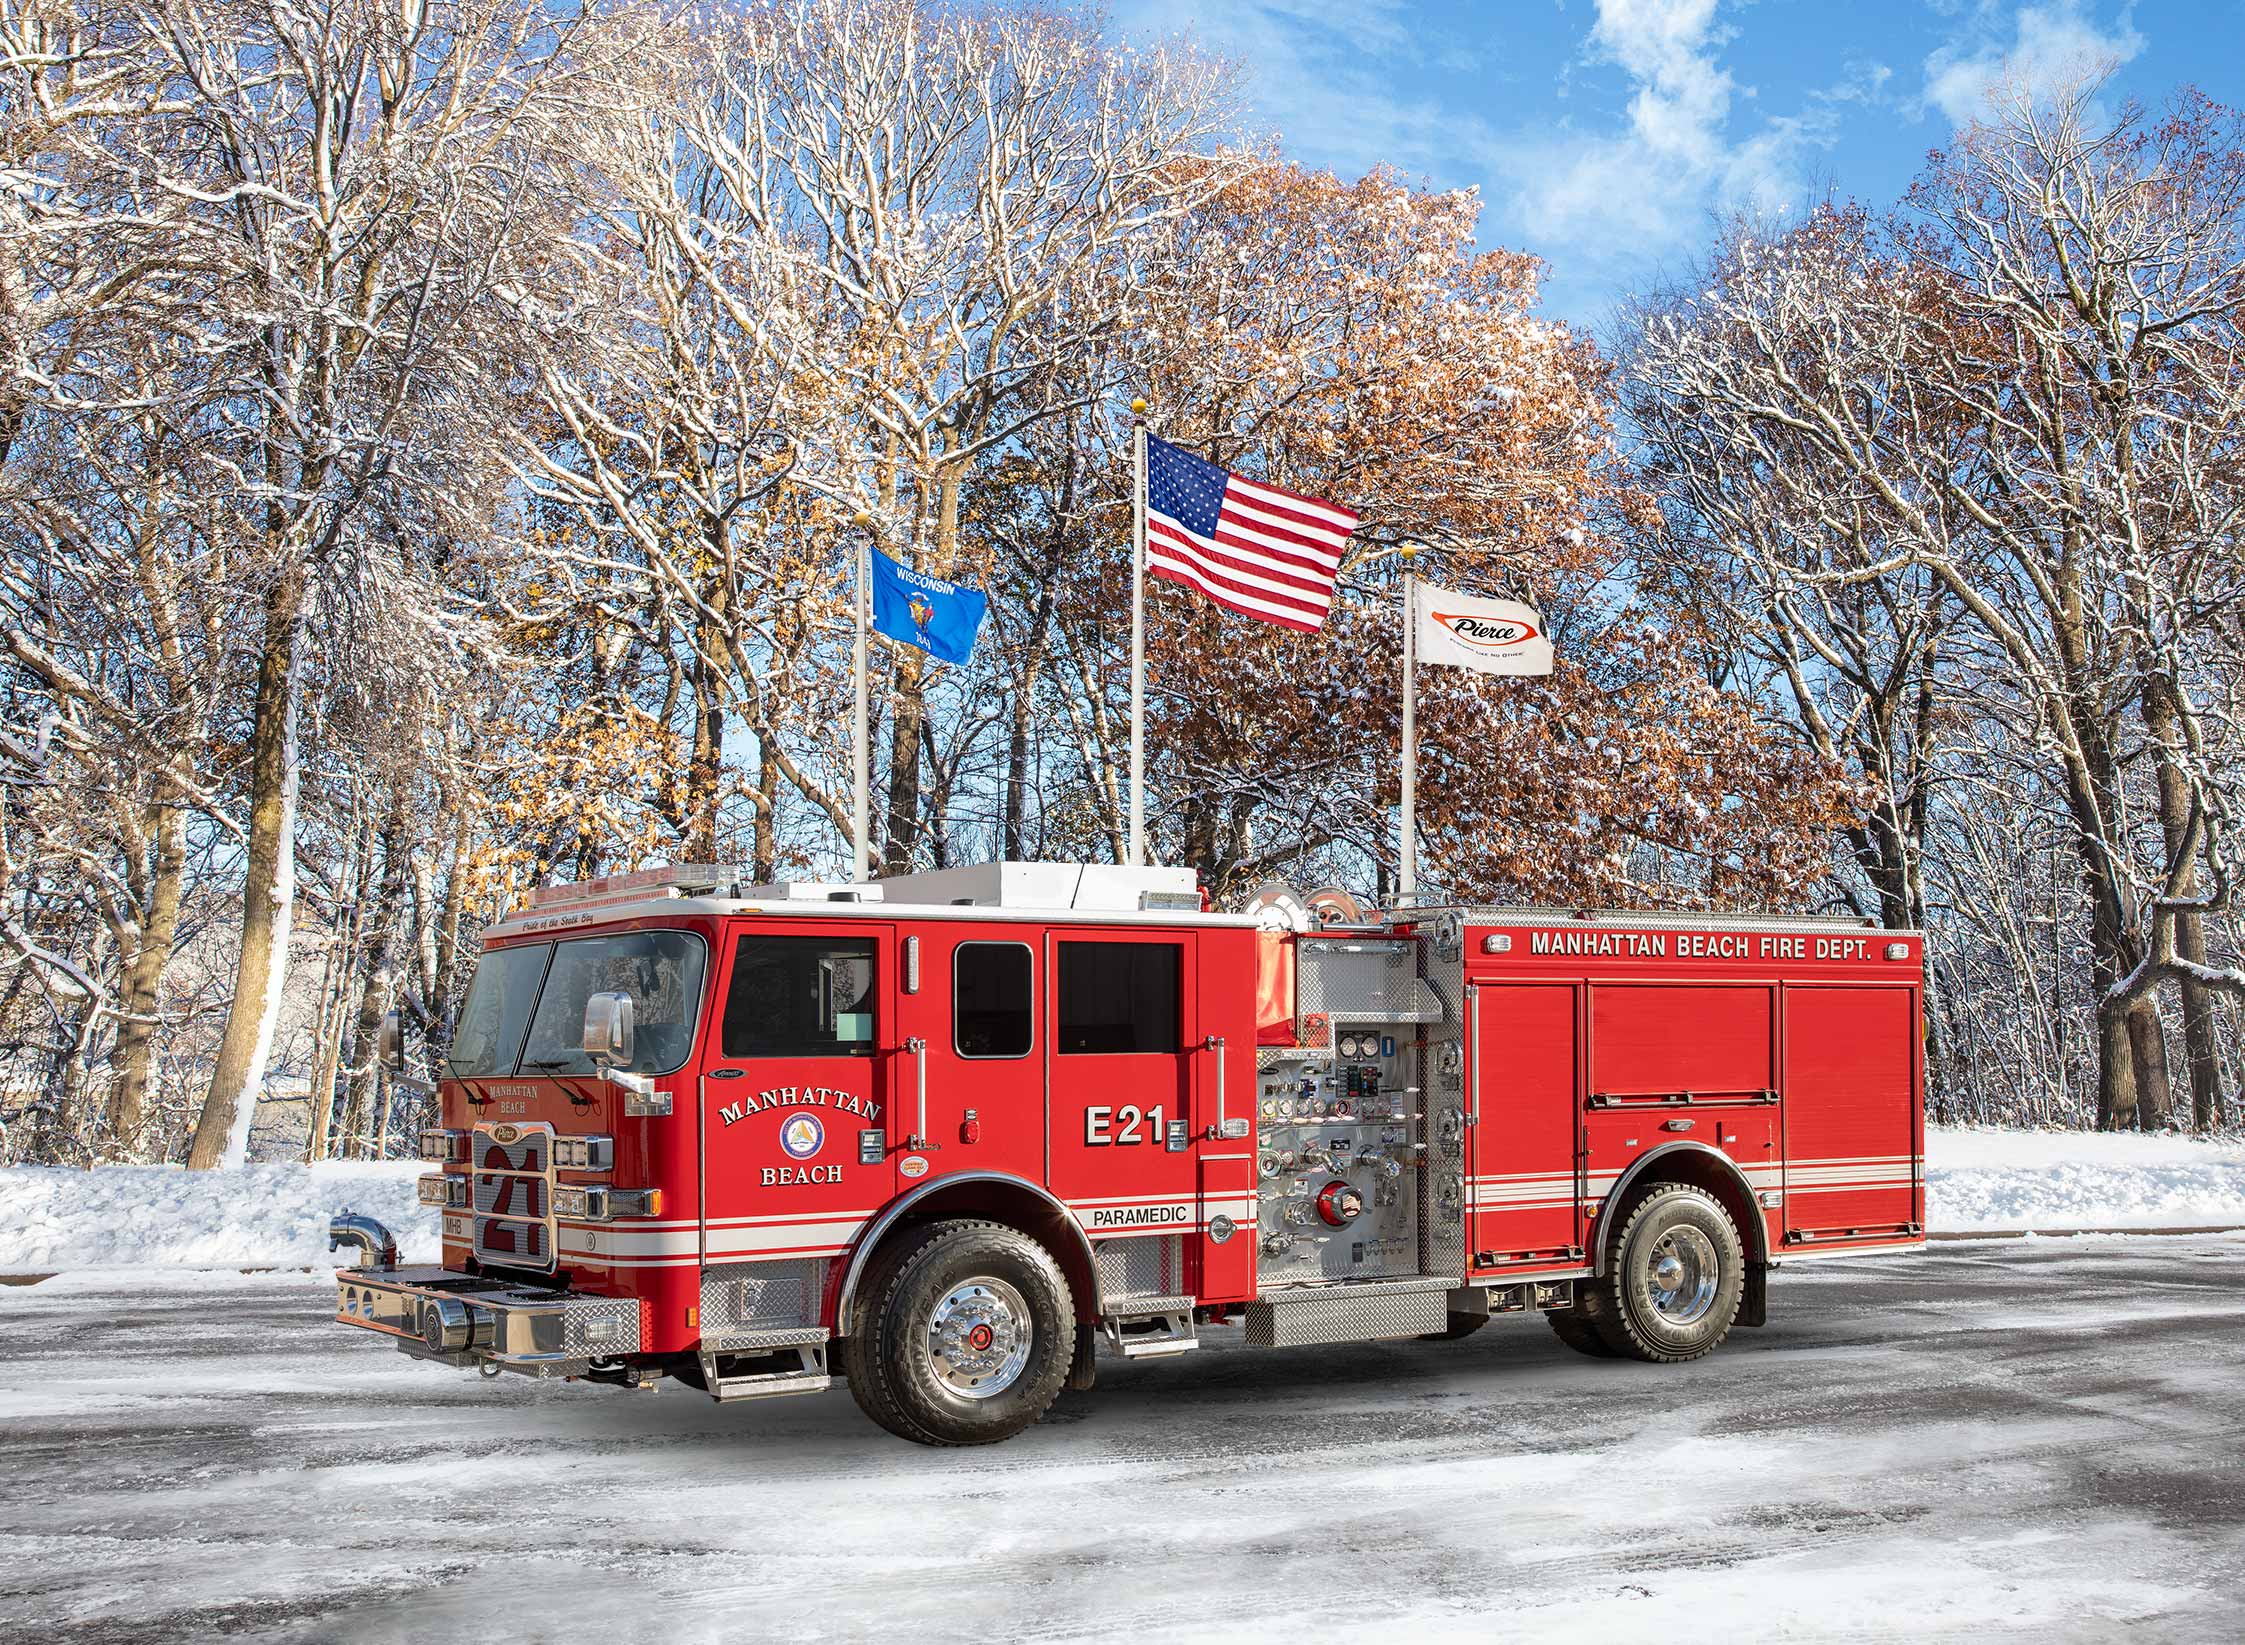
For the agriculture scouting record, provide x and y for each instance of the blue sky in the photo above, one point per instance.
(1605, 135)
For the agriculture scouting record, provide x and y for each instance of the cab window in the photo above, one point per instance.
(992, 1010)
(800, 997)
(1119, 997)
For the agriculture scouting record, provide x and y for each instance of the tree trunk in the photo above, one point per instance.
(268, 887)
(2147, 1045)
(134, 1056)
(705, 767)
(2200, 1040)
(343, 945)
(764, 864)
(375, 993)
(2116, 1079)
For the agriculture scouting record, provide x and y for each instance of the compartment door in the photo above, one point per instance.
(1852, 1143)
(1523, 1096)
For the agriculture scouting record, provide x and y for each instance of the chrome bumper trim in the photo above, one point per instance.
(435, 1313)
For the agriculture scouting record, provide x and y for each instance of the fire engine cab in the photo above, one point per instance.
(941, 1134)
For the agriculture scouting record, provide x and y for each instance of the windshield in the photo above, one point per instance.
(496, 1012)
(660, 970)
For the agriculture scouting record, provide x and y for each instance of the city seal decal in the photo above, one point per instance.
(802, 1136)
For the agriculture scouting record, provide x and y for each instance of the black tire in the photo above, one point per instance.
(1626, 1306)
(1580, 1333)
(1460, 1326)
(999, 1288)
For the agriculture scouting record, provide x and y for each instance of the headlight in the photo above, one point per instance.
(596, 1204)
(449, 1192)
(584, 1153)
(585, 1204)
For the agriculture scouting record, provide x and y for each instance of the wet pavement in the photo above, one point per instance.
(2036, 1440)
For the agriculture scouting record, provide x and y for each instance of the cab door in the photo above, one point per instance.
(968, 1024)
(796, 1089)
(1123, 1041)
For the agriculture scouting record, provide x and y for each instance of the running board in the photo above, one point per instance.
(1374, 1311)
(765, 1364)
(1152, 1327)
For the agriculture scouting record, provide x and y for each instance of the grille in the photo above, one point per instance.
(748, 1296)
(1141, 1267)
(513, 1195)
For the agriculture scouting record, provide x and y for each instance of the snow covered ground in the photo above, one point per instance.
(2028, 1441)
(270, 1216)
(2077, 1179)
(260, 1216)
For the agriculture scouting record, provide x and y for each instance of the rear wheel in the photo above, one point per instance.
(1672, 1289)
(964, 1333)
(1461, 1325)
(1580, 1333)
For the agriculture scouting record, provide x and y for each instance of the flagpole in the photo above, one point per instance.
(1409, 891)
(861, 796)
(1138, 633)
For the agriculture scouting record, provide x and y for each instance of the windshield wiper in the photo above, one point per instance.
(547, 1062)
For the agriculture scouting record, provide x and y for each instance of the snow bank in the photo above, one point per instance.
(256, 1216)
(2079, 1179)
(275, 1216)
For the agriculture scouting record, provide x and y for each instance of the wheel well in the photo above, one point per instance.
(993, 1199)
(1692, 1166)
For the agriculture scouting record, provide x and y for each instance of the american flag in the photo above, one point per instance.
(1253, 548)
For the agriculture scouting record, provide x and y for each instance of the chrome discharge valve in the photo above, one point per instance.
(1339, 1204)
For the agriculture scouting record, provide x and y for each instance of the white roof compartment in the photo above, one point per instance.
(1091, 887)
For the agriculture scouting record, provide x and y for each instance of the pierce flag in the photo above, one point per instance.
(939, 617)
(1493, 636)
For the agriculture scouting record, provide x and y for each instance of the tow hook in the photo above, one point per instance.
(366, 1236)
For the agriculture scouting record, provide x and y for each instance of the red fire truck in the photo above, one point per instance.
(942, 1133)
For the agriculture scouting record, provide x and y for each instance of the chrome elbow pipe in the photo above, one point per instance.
(365, 1235)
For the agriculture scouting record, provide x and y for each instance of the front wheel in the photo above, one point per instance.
(965, 1333)
(1672, 1290)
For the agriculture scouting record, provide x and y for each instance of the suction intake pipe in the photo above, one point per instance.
(368, 1237)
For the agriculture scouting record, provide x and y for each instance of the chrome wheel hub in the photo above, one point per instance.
(1683, 1273)
(979, 1338)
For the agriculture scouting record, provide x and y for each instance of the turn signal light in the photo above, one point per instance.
(444, 1147)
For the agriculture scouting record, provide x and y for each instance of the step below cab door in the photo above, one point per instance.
(1524, 1109)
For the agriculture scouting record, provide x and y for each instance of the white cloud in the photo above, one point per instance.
(2049, 45)
(1619, 195)
(1327, 75)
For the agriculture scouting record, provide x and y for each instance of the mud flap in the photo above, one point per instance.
(1083, 1370)
(1753, 1299)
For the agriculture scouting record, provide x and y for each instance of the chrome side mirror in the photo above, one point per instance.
(389, 1043)
(608, 1030)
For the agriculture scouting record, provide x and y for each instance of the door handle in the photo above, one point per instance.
(919, 1139)
(1223, 1128)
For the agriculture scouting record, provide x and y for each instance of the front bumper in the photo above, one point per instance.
(435, 1313)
